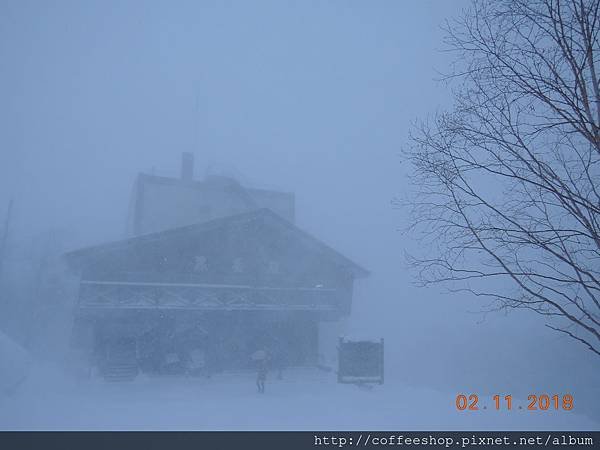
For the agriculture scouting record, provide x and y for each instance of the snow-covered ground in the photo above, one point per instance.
(14, 364)
(304, 399)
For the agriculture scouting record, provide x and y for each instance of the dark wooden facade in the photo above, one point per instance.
(231, 285)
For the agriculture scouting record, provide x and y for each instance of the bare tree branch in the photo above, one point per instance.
(507, 182)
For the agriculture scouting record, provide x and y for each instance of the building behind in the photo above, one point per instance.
(159, 203)
(211, 271)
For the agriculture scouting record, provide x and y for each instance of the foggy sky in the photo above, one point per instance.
(310, 97)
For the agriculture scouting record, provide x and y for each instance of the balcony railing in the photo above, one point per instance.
(142, 295)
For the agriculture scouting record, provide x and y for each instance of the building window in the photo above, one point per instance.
(200, 264)
(238, 265)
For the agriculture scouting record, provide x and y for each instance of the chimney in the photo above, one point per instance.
(187, 166)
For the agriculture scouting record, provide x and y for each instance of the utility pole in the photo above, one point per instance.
(5, 235)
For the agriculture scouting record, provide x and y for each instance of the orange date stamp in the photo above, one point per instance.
(535, 402)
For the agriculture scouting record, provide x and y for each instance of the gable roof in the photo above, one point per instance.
(81, 257)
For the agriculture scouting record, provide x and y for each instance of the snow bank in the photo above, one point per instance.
(14, 364)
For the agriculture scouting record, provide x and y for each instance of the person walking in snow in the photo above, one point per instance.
(262, 359)
(261, 376)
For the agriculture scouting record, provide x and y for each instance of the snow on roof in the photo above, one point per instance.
(79, 257)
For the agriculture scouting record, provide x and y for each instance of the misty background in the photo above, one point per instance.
(314, 98)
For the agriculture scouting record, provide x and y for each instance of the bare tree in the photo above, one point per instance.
(508, 181)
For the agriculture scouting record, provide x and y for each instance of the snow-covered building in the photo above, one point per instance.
(211, 272)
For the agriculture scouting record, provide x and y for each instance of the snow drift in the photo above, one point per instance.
(14, 364)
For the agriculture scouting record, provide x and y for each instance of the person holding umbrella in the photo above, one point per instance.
(262, 359)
